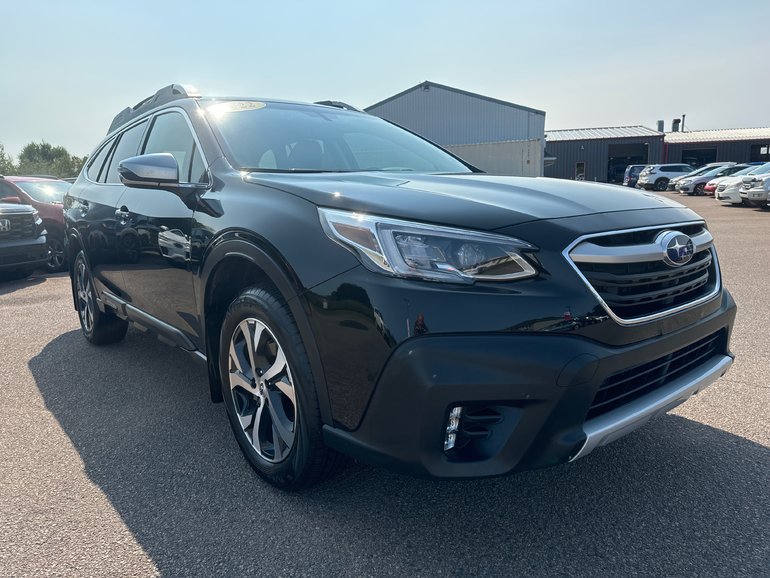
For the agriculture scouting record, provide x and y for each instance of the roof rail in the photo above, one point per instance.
(164, 95)
(338, 104)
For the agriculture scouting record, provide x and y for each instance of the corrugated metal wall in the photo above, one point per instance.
(595, 154)
(523, 158)
(450, 118)
(738, 151)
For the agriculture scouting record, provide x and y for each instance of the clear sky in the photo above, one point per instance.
(70, 66)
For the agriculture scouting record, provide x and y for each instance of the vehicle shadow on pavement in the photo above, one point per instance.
(677, 497)
(9, 284)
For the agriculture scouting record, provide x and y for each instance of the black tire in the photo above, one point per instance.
(98, 328)
(57, 259)
(661, 184)
(698, 190)
(307, 460)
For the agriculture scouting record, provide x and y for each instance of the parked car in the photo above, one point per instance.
(696, 172)
(729, 190)
(631, 175)
(45, 194)
(739, 170)
(22, 239)
(657, 177)
(696, 185)
(753, 189)
(355, 289)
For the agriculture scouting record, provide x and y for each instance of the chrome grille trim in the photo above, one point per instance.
(708, 243)
(587, 252)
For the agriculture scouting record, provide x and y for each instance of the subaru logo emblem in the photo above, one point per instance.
(677, 247)
(5, 225)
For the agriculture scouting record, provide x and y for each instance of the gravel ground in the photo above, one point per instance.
(114, 463)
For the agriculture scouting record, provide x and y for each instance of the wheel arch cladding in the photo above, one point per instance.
(229, 268)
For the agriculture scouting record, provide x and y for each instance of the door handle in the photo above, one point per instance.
(123, 213)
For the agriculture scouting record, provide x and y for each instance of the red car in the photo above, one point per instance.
(45, 195)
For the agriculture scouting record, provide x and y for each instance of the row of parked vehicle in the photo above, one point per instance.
(729, 182)
(31, 224)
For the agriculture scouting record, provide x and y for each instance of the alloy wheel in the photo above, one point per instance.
(263, 390)
(55, 254)
(85, 296)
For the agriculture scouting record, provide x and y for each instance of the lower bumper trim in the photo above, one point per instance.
(616, 424)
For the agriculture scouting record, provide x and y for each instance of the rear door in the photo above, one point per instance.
(90, 211)
(159, 282)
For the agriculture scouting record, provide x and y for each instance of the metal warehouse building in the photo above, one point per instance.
(698, 147)
(601, 154)
(495, 135)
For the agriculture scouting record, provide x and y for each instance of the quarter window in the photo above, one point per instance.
(126, 148)
(95, 167)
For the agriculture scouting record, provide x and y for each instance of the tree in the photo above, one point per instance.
(44, 159)
(6, 162)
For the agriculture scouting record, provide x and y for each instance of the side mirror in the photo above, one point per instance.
(153, 171)
(14, 200)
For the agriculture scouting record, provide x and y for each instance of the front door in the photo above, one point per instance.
(160, 281)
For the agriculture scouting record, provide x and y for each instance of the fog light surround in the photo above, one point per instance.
(452, 427)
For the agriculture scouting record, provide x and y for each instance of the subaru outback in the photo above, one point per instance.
(355, 290)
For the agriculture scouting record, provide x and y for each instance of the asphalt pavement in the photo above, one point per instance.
(113, 462)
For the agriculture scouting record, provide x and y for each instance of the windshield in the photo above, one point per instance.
(761, 169)
(282, 137)
(45, 191)
(701, 171)
(743, 171)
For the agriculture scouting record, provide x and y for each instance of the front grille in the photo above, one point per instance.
(633, 289)
(626, 386)
(22, 226)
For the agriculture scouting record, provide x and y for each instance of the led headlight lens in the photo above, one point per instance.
(406, 249)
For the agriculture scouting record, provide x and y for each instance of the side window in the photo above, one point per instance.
(95, 166)
(170, 133)
(126, 148)
(7, 190)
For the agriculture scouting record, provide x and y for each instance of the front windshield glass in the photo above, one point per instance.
(282, 137)
(761, 169)
(744, 171)
(700, 171)
(45, 191)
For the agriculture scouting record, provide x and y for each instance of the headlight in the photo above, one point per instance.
(406, 249)
(685, 182)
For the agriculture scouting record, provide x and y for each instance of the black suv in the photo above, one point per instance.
(355, 289)
(23, 245)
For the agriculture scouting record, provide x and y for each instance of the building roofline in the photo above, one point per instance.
(429, 84)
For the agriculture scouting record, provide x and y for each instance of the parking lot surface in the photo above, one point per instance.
(113, 462)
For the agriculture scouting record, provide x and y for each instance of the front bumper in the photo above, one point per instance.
(19, 253)
(541, 386)
(728, 197)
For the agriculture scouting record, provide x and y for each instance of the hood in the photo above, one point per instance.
(13, 208)
(474, 200)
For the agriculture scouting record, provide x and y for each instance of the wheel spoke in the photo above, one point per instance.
(277, 367)
(258, 416)
(252, 332)
(286, 389)
(277, 444)
(237, 379)
(246, 420)
(234, 356)
(279, 427)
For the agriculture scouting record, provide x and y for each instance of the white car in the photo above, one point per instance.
(672, 184)
(656, 177)
(754, 189)
(729, 190)
(739, 170)
(696, 185)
